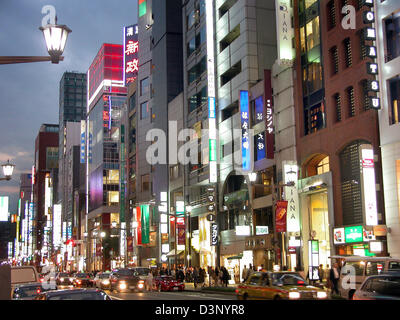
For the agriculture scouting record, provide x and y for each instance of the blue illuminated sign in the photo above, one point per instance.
(244, 116)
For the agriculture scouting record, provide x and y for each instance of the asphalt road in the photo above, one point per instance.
(185, 295)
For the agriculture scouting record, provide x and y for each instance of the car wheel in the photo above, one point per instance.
(245, 296)
(277, 298)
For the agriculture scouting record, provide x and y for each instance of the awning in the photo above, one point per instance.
(240, 256)
(172, 253)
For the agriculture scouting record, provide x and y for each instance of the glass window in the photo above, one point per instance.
(191, 46)
(392, 36)
(202, 7)
(394, 98)
(144, 86)
(191, 19)
(312, 33)
(323, 166)
(286, 279)
(144, 110)
(394, 265)
(132, 102)
(145, 181)
(374, 267)
(358, 267)
(254, 280)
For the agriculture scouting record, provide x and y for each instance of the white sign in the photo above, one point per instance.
(284, 13)
(368, 185)
(291, 196)
(242, 230)
(165, 248)
(260, 230)
(338, 236)
(57, 226)
(3, 208)
(122, 240)
(375, 247)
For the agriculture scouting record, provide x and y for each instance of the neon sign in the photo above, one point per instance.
(244, 116)
(131, 53)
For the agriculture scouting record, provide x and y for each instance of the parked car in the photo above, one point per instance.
(74, 294)
(168, 283)
(83, 280)
(102, 280)
(363, 267)
(64, 279)
(125, 280)
(380, 287)
(277, 286)
(26, 291)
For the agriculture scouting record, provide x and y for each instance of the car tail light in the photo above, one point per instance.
(300, 282)
(236, 291)
(38, 291)
(41, 279)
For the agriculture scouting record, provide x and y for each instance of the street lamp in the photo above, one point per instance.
(8, 169)
(103, 234)
(56, 38)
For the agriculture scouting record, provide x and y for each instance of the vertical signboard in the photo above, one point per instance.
(269, 123)
(180, 225)
(3, 208)
(131, 53)
(281, 216)
(139, 225)
(368, 185)
(57, 226)
(214, 234)
(142, 7)
(291, 195)
(245, 125)
(83, 140)
(122, 175)
(211, 91)
(313, 259)
(145, 218)
(284, 13)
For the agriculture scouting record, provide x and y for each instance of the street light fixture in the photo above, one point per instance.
(8, 169)
(103, 234)
(56, 38)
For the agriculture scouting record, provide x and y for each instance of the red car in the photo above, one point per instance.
(168, 283)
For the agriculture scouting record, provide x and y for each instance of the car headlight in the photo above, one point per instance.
(71, 279)
(322, 295)
(140, 285)
(62, 279)
(106, 282)
(122, 285)
(294, 295)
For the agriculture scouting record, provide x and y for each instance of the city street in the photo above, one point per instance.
(169, 296)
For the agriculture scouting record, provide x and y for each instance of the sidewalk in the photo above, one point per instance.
(189, 286)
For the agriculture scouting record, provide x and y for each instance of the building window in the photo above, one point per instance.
(331, 13)
(347, 52)
(323, 166)
(229, 38)
(144, 110)
(144, 86)
(364, 90)
(338, 107)
(145, 182)
(231, 73)
(132, 102)
(198, 99)
(351, 184)
(191, 19)
(392, 35)
(314, 118)
(351, 101)
(191, 46)
(394, 99)
(363, 48)
(335, 60)
(196, 72)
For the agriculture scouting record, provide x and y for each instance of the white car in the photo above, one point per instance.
(380, 287)
(102, 280)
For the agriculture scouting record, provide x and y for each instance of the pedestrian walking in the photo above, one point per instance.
(244, 273)
(334, 276)
(195, 276)
(225, 276)
(149, 281)
(216, 275)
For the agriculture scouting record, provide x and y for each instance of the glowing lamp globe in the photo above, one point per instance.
(56, 37)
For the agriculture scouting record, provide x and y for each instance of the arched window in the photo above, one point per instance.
(323, 166)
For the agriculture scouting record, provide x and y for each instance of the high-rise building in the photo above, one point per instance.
(339, 194)
(25, 198)
(106, 96)
(72, 109)
(44, 189)
(159, 82)
(387, 22)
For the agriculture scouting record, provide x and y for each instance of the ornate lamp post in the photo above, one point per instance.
(56, 38)
(8, 169)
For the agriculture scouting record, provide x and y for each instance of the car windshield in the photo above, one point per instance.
(27, 292)
(388, 286)
(141, 271)
(125, 273)
(104, 276)
(79, 296)
(82, 275)
(287, 279)
(63, 275)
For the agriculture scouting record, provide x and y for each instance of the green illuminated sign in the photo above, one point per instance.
(353, 234)
(213, 150)
(315, 246)
(142, 7)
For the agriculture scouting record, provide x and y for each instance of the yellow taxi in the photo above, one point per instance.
(277, 286)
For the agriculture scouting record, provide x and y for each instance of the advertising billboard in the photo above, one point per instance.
(3, 208)
(57, 225)
(285, 33)
(280, 216)
(368, 185)
(131, 53)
